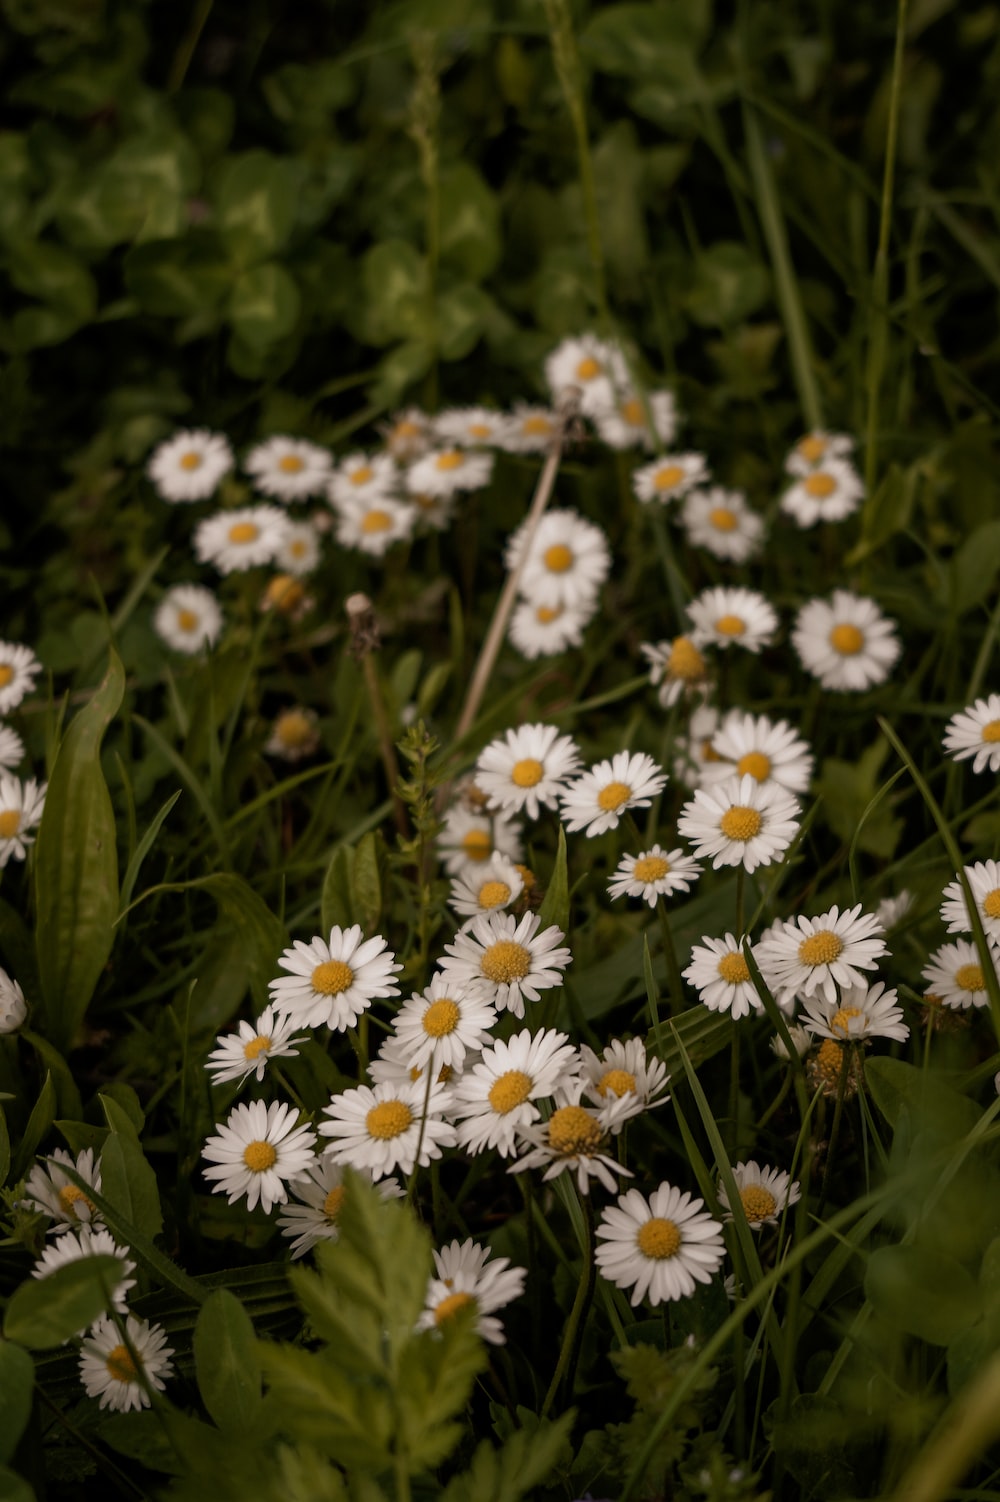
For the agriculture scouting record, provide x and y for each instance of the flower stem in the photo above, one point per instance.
(569, 1352)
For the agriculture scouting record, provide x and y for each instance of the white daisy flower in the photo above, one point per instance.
(509, 961)
(236, 540)
(286, 595)
(765, 1193)
(859, 1013)
(434, 512)
(720, 974)
(596, 801)
(408, 435)
(740, 822)
(654, 873)
(675, 667)
(670, 478)
(626, 425)
(574, 1138)
(567, 562)
(820, 955)
(892, 910)
(19, 668)
(13, 1007)
(294, 735)
(485, 889)
(468, 841)
(817, 448)
(468, 1268)
(495, 1096)
(444, 471)
(290, 469)
(469, 427)
(334, 982)
(298, 553)
(749, 745)
(11, 748)
(624, 1079)
(48, 1190)
(257, 1151)
(71, 1246)
(526, 768)
(313, 1212)
(528, 430)
(189, 466)
(119, 1374)
(955, 975)
(443, 1024)
(445, 1297)
(847, 643)
(801, 1041)
(595, 368)
(366, 478)
(381, 1129)
(372, 526)
(828, 493)
(188, 618)
(721, 521)
(732, 617)
(661, 1247)
(238, 1055)
(973, 732)
(538, 630)
(391, 1066)
(984, 879)
(694, 753)
(21, 807)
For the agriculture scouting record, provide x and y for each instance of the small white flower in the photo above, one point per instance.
(13, 1007)
(816, 449)
(566, 562)
(765, 1193)
(119, 1374)
(334, 982)
(294, 735)
(859, 1013)
(257, 1151)
(189, 466)
(71, 1246)
(740, 822)
(722, 522)
(592, 367)
(626, 425)
(574, 1138)
(528, 430)
(955, 976)
(750, 745)
(675, 667)
(298, 552)
(732, 617)
(892, 910)
(820, 955)
(526, 768)
(623, 1081)
(19, 667)
(318, 1195)
(984, 879)
(238, 1055)
(11, 747)
(694, 754)
(485, 889)
(801, 1041)
(670, 477)
(828, 493)
(50, 1192)
(442, 1025)
(236, 540)
(408, 435)
(720, 974)
(654, 873)
(188, 618)
(661, 1247)
(21, 807)
(468, 841)
(445, 471)
(973, 732)
(509, 961)
(596, 801)
(495, 1096)
(488, 1287)
(290, 469)
(469, 427)
(847, 643)
(372, 526)
(381, 1129)
(364, 478)
(538, 630)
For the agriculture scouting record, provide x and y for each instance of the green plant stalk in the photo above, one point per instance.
(185, 52)
(569, 1351)
(422, 128)
(969, 1426)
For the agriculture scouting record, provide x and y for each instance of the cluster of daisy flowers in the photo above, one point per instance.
(22, 801)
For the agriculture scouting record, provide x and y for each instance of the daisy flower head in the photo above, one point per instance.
(752, 746)
(509, 961)
(189, 466)
(49, 1191)
(828, 493)
(670, 477)
(238, 1055)
(627, 424)
(732, 617)
(392, 1065)
(654, 873)
(765, 1193)
(956, 976)
(801, 1042)
(443, 1024)
(13, 1007)
(19, 667)
(974, 732)
(528, 429)
(823, 955)
(383, 1128)
(574, 1138)
(489, 888)
(317, 1198)
(470, 840)
(290, 469)
(21, 807)
(694, 752)
(469, 427)
(661, 1248)
(721, 522)
(494, 1097)
(257, 1151)
(892, 910)
(335, 980)
(675, 667)
(526, 768)
(233, 541)
(298, 552)
(847, 643)
(539, 630)
(720, 974)
(594, 368)
(984, 879)
(285, 594)
(188, 618)
(446, 1296)
(596, 801)
(857, 1015)
(408, 435)
(433, 512)
(121, 1374)
(565, 563)
(71, 1246)
(294, 734)
(372, 526)
(816, 449)
(11, 748)
(623, 1081)
(362, 477)
(444, 471)
(740, 822)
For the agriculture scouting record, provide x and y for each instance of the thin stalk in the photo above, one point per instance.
(674, 979)
(412, 1184)
(969, 1426)
(185, 52)
(364, 642)
(838, 1112)
(573, 1334)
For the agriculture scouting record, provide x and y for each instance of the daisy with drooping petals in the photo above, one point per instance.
(71, 1246)
(828, 493)
(670, 477)
(574, 1137)
(594, 368)
(973, 732)
(21, 807)
(722, 522)
(13, 1007)
(11, 748)
(469, 427)
(815, 449)
(382, 1128)
(238, 1055)
(333, 982)
(955, 974)
(566, 562)
(661, 1247)
(188, 618)
(654, 873)
(675, 667)
(444, 471)
(372, 526)
(858, 1014)
(811, 955)
(19, 668)
(847, 643)
(408, 435)
(257, 1151)
(526, 768)
(749, 745)
(495, 1096)
(50, 1192)
(623, 1081)
(485, 889)
(538, 630)
(732, 618)
(720, 974)
(528, 430)
(984, 879)
(469, 839)
(294, 735)
(693, 751)
(121, 1375)
(365, 478)
(443, 1024)
(740, 822)
(765, 1193)
(627, 424)
(290, 469)
(312, 1213)
(492, 1287)
(509, 961)
(189, 466)
(298, 552)
(596, 801)
(236, 540)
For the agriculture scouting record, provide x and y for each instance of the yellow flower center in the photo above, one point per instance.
(298, 547)
(546, 614)
(708, 752)
(723, 519)
(613, 796)
(970, 978)
(406, 429)
(812, 447)
(244, 532)
(284, 593)
(333, 1202)
(841, 1019)
(667, 476)
(293, 728)
(829, 1061)
(259, 1156)
(754, 764)
(526, 875)
(991, 903)
(6, 674)
(558, 558)
(758, 1203)
(734, 969)
(505, 961)
(120, 1365)
(191, 460)
(69, 1197)
(730, 625)
(450, 1305)
(493, 894)
(362, 474)
(390, 1118)
(741, 823)
(572, 1131)
(820, 486)
(479, 430)
(478, 844)
(376, 521)
(632, 412)
(187, 620)
(509, 1090)
(991, 732)
(450, 459)
(257, 1046)
(588, 369)
(10, 823)
(536, 427)
(616, 1082)
(650, 868)
(290, 464)
(658, 1238)
(685, 661)
(820, 949)
(441, 1017)
(847, 640)
(527, 773)
(332, 977)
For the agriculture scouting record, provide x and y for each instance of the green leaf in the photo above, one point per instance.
(76, 866)
(256, 195)
(644, 41)
(127, 1179)
(351, 1423)
(462, 314)
(14, 1488)
(40, 1121)
(555, 903)
(264, 305)
(729, 285)
(921, 1292)
(53, 276)
(506, 1475)
(470, 222)
(394, 292)
(896, 1085)
(336, 903)
(886, 512)
(227, 1362)
(972, 570)
(437, 1371)
(366, 881)
(4, 1148)
(143, 848)
(849, 790)
(45, 1312)
(178, 278)
(17, 1384)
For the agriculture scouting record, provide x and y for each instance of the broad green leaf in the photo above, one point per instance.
(336, 900)
(644, 41)
(17, 1381)
(127, 1179)
(437, 1371)
(729, 285)
(555, 903)
(366, 881)
(886, 512)
(930, 1100)
(227, 1362)
(515, 1471)
(36, 327)
(39, 1122)
(921, 1292)
(178, 278)
(53, 276)
(141, 1436)
(44, 1312)
(973, 569)
(256, 195)
(470, 222)
(394, 277)
(263, 935)
(76, 866)
(14, 1488)
(461, 317)
(4, 1148)
(264, 305)
(350, 1422)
